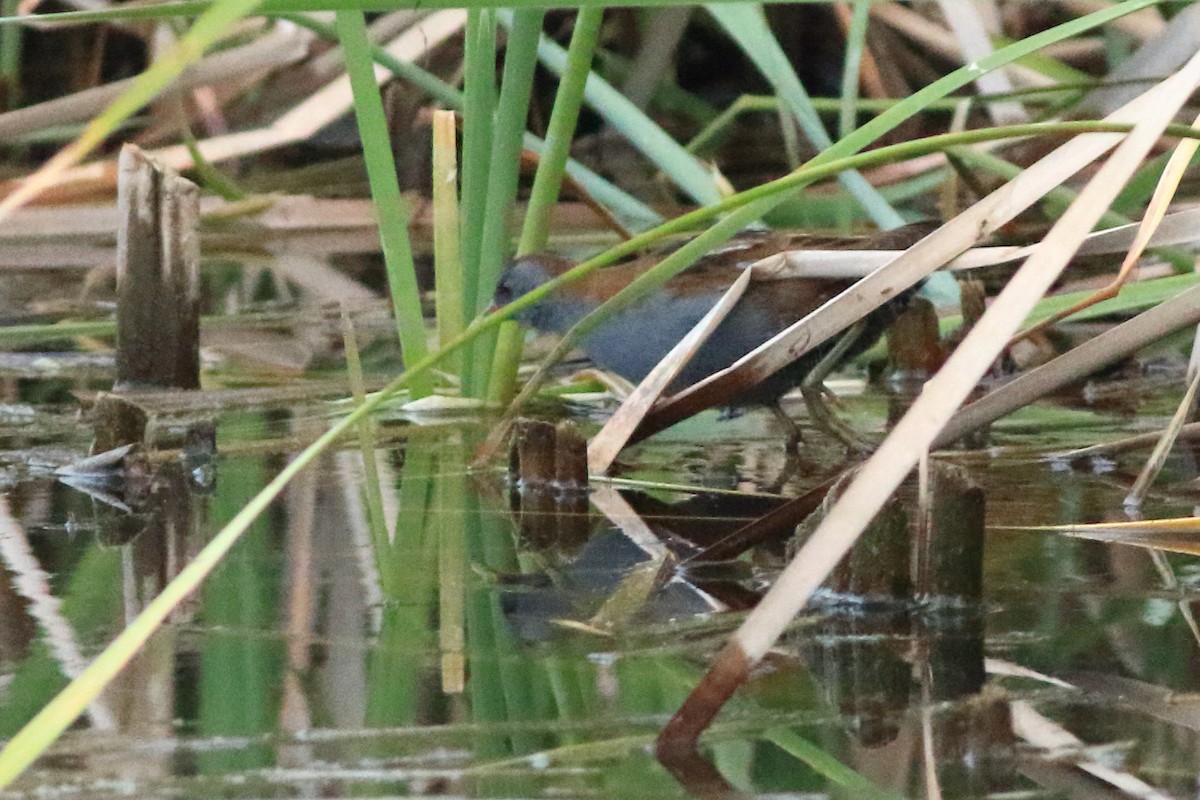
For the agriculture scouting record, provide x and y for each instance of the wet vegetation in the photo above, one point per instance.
(292, 505)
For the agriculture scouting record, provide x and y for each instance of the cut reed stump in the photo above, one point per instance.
(158, 276)
(158, 293)
(158, 355)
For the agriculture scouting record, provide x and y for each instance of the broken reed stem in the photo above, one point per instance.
(158, 276)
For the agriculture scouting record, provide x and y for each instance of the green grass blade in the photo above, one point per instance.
(546, 185)
(390, 206)
(856, 39)
(561, 130)
(504, 165)
(10, 56)
(504, 171)
(506, 359)
(746, 25)
(479, 108)
(642, 132)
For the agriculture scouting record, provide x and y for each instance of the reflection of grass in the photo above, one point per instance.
(239, 687)
(651, 685)
(452, 573)
(397, 667)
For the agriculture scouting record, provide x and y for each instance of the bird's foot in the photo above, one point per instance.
(828, 422)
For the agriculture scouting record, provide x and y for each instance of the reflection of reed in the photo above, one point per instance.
(31, 582)
(452, 567)
(295, 712)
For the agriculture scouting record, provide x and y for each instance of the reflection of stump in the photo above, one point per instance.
(910, 591)
(158, 276)
(975, 746)
(548, 470)
(917, 569)
(547, 457)
(861, 672)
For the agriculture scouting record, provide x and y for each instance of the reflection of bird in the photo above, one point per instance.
(634, 341)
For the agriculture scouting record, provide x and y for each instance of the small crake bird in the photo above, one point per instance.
(635, 340)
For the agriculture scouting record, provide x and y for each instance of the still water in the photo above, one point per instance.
(470, 640)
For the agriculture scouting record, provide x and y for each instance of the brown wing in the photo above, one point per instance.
(900, 238)
(717, 270)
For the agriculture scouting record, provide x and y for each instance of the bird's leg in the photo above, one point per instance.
(794, 437)
(813, 386)
(792, 463)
